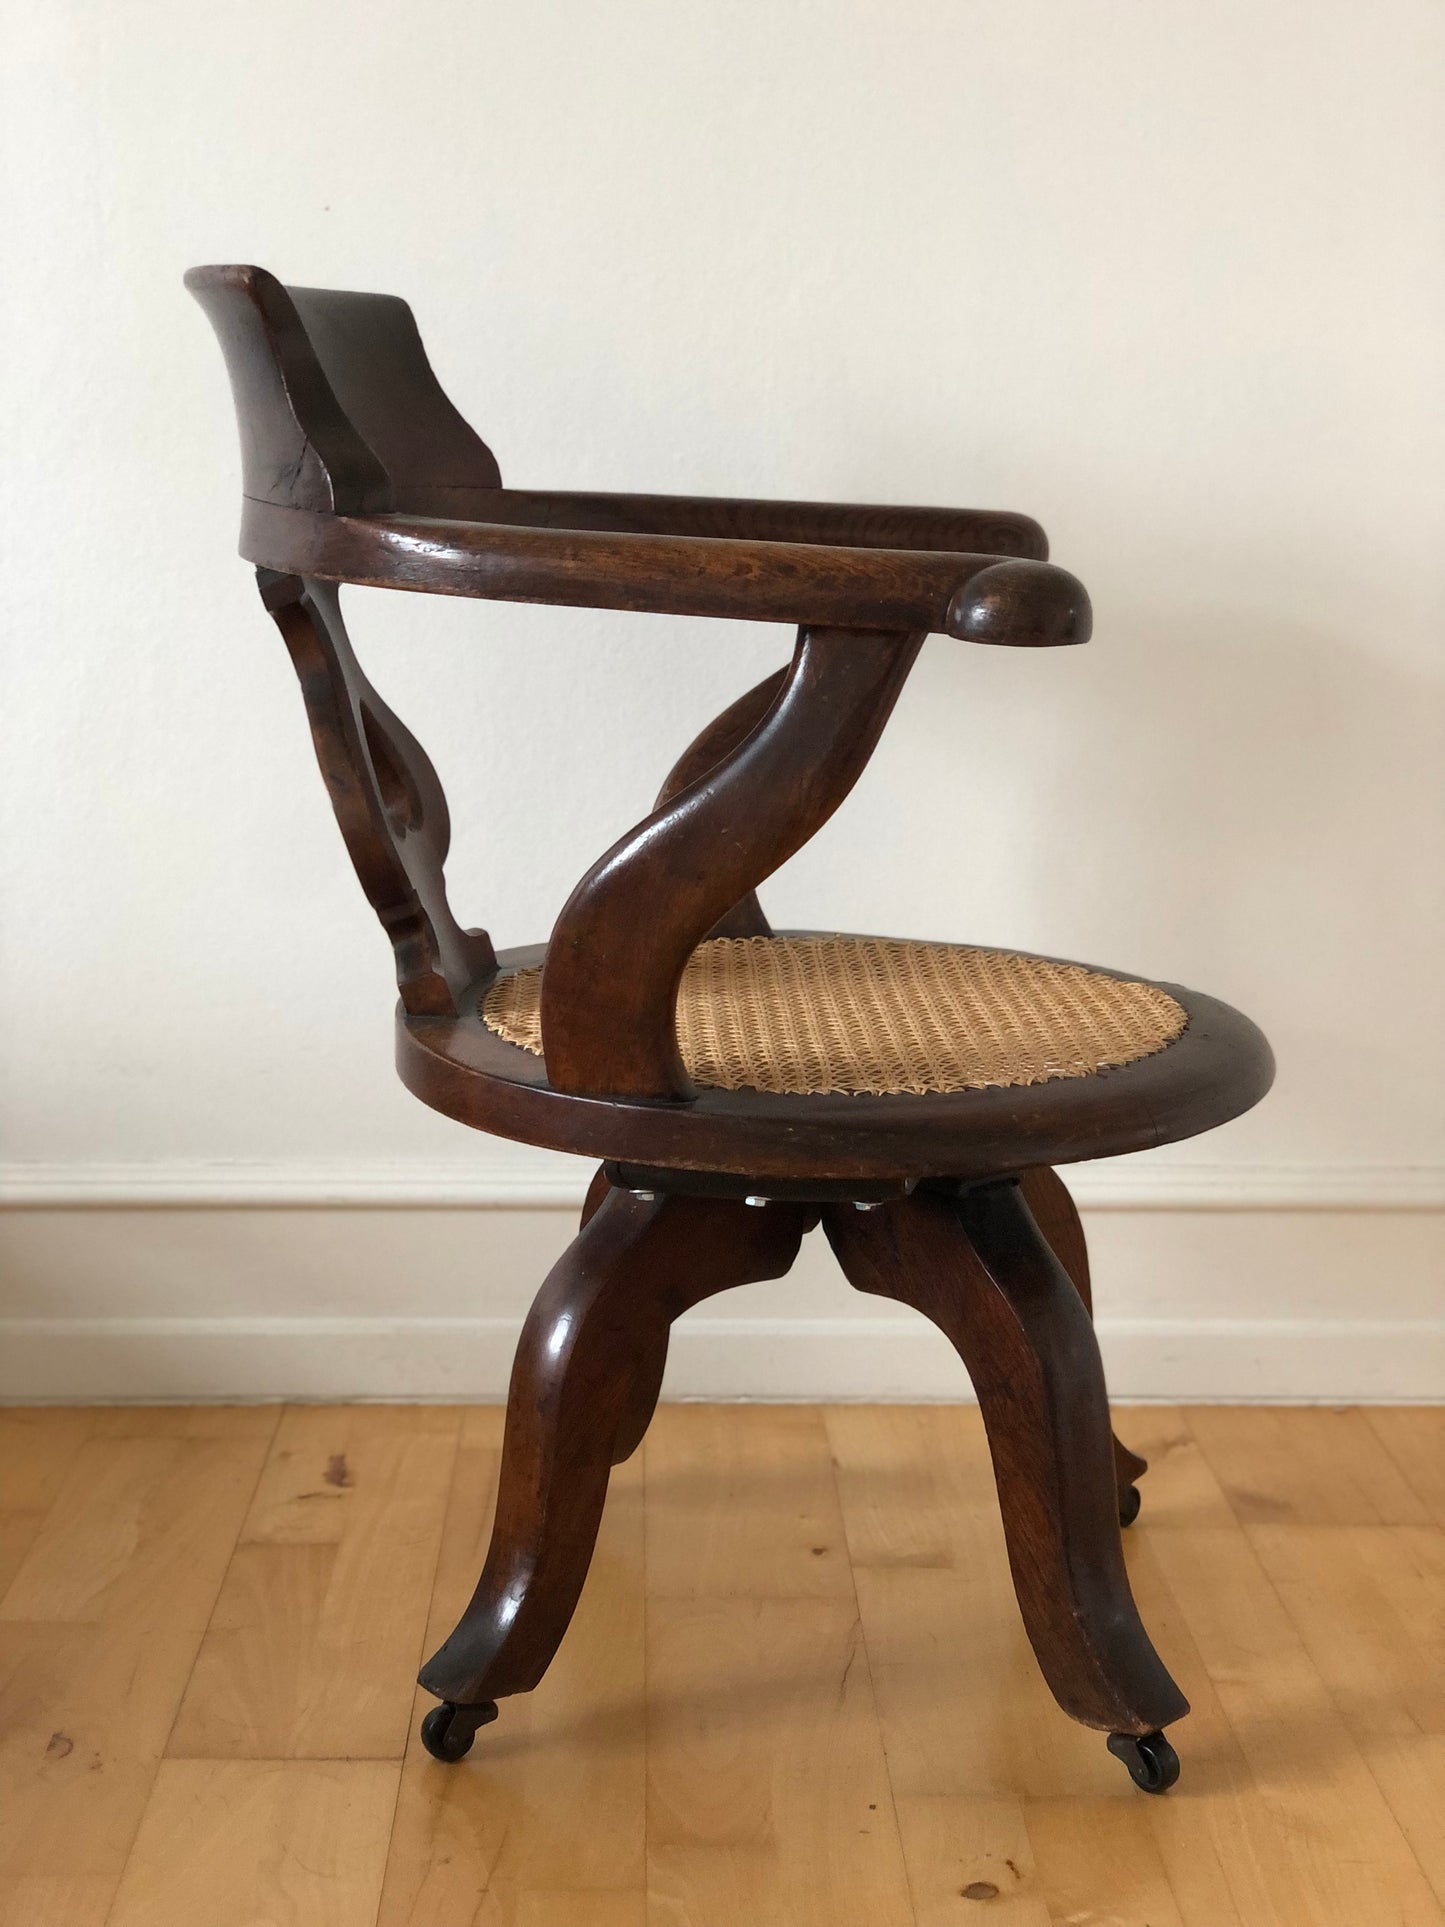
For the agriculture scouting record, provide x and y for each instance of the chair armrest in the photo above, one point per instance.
(855, 525)
(623, 938)
(978, 598)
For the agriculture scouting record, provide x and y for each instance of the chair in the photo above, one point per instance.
(741, 1086)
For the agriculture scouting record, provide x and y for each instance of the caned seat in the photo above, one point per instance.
(741, 1086)
(855, 1058)
(818, 1016)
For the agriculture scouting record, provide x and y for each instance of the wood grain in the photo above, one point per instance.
(387, 798)
(637, 1264)
(1314, 1467)
(136, 1531)
(623, 937)
(708, 1750)
(768, 1792)
(544, 1823)
(233, 1843)
(1340, 1852)
(99, 1629)
(1414, 1437)
(318, 1628)
(356, 468)
(978, 1266)
(723, 737)
(964, 1710)
(979, 598)
(37, 1445)
(736, 1509)
(858, 525)
(1057, 1216)
(1368, 1603)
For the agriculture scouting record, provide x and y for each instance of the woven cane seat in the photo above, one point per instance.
(812, 1016)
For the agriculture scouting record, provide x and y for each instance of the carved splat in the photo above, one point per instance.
(387, 798)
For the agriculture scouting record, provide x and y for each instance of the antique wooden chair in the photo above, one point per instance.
(741, 1086)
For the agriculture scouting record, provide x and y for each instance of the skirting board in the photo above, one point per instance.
(468, 1359)
(240, 1282)
(519, 1179)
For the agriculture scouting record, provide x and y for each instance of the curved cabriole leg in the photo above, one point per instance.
(980, 1268)
(641, 1403)
(607, 1303)
(596, 1191)
(1057, 1216)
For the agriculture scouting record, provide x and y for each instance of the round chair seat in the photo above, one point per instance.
(811, 1016)
(832, 1058)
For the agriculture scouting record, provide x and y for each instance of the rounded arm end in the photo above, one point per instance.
(1022, 605)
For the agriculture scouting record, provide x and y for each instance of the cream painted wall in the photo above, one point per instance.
(1171, 279)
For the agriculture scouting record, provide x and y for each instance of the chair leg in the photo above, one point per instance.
(603, 1312)
(645, 1386)
(1057, 1216)
(597, 1190)
(979, 1267)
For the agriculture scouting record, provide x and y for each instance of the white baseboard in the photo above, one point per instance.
(207, 1280)
(523, 1179)
(1337, 1360)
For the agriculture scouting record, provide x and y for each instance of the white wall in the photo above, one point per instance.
(1170, 278)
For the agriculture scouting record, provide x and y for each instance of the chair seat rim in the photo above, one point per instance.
(1217, 1068)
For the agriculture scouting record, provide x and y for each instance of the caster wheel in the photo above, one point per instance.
(1152, 1762)
(447, 1731)
(1128, 1505)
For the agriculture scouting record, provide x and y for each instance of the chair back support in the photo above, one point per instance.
(298, 448)
(339, 411)
(373, 358)
(387, 798)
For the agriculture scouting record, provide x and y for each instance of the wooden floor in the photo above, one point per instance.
(796, 1689)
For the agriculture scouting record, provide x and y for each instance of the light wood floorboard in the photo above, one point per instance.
(99, 1630)
(326, 1595)
(796, 1689)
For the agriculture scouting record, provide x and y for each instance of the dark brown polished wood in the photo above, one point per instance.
(1057, 1217)
(723, 736)
(976, 598)
(624, 936)
(327, 495)
(977, 1264)
(357, 468)
(387, 798)
(636, 1265)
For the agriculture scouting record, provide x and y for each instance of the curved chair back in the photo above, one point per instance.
(338, 407)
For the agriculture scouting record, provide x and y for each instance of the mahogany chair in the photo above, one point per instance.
(741, 1086)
